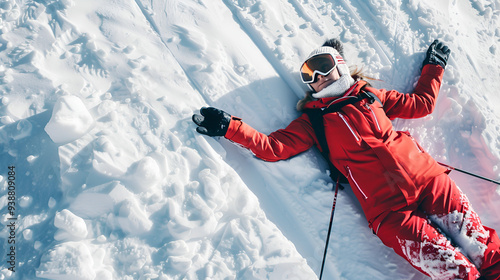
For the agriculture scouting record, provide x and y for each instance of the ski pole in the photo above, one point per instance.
(470, 173)
(329, 229)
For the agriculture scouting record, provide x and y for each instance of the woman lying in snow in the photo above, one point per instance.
(399, 186)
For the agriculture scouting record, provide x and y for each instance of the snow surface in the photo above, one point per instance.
(112, 181)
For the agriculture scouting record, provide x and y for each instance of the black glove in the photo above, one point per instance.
(212, 122)
(438, 54)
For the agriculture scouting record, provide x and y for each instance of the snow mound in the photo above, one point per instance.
(117, 203)
(70, 226)
(70, 120)
(69, 260)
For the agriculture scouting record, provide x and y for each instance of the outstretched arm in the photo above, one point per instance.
(297, 137)
(422, 101)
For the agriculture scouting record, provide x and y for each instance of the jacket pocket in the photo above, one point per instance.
(349, 174)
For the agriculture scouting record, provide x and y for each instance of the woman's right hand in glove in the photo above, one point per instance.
(212, 121)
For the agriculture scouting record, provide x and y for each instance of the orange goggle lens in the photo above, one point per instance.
(319, 64)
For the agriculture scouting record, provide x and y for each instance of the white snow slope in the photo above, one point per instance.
(104, 177)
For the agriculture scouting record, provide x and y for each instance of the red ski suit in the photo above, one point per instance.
(388, 170)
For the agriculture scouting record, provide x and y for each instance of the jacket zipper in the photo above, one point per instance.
(348, 126)
(355, 183)
(373, 115)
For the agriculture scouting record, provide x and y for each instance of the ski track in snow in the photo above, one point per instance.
(96, 100)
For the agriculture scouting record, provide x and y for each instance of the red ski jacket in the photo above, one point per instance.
(386, 168)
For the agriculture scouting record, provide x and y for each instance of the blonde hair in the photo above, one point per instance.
(356, 73)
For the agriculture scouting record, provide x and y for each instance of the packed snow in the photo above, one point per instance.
(103, 176)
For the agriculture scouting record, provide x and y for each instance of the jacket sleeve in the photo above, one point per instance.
(297, 137)
(419, 103)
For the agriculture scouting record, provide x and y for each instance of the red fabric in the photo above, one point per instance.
(490, 269)
(397, 183)
(399, 186)
(386, 168)
(411, 235)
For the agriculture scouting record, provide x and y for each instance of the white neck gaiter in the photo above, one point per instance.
(337, 89)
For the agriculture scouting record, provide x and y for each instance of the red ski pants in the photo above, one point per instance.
(428, 234)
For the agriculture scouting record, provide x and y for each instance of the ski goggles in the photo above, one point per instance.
(319, 64)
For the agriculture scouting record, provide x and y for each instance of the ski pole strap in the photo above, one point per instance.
(316, 119)
(469, 173)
